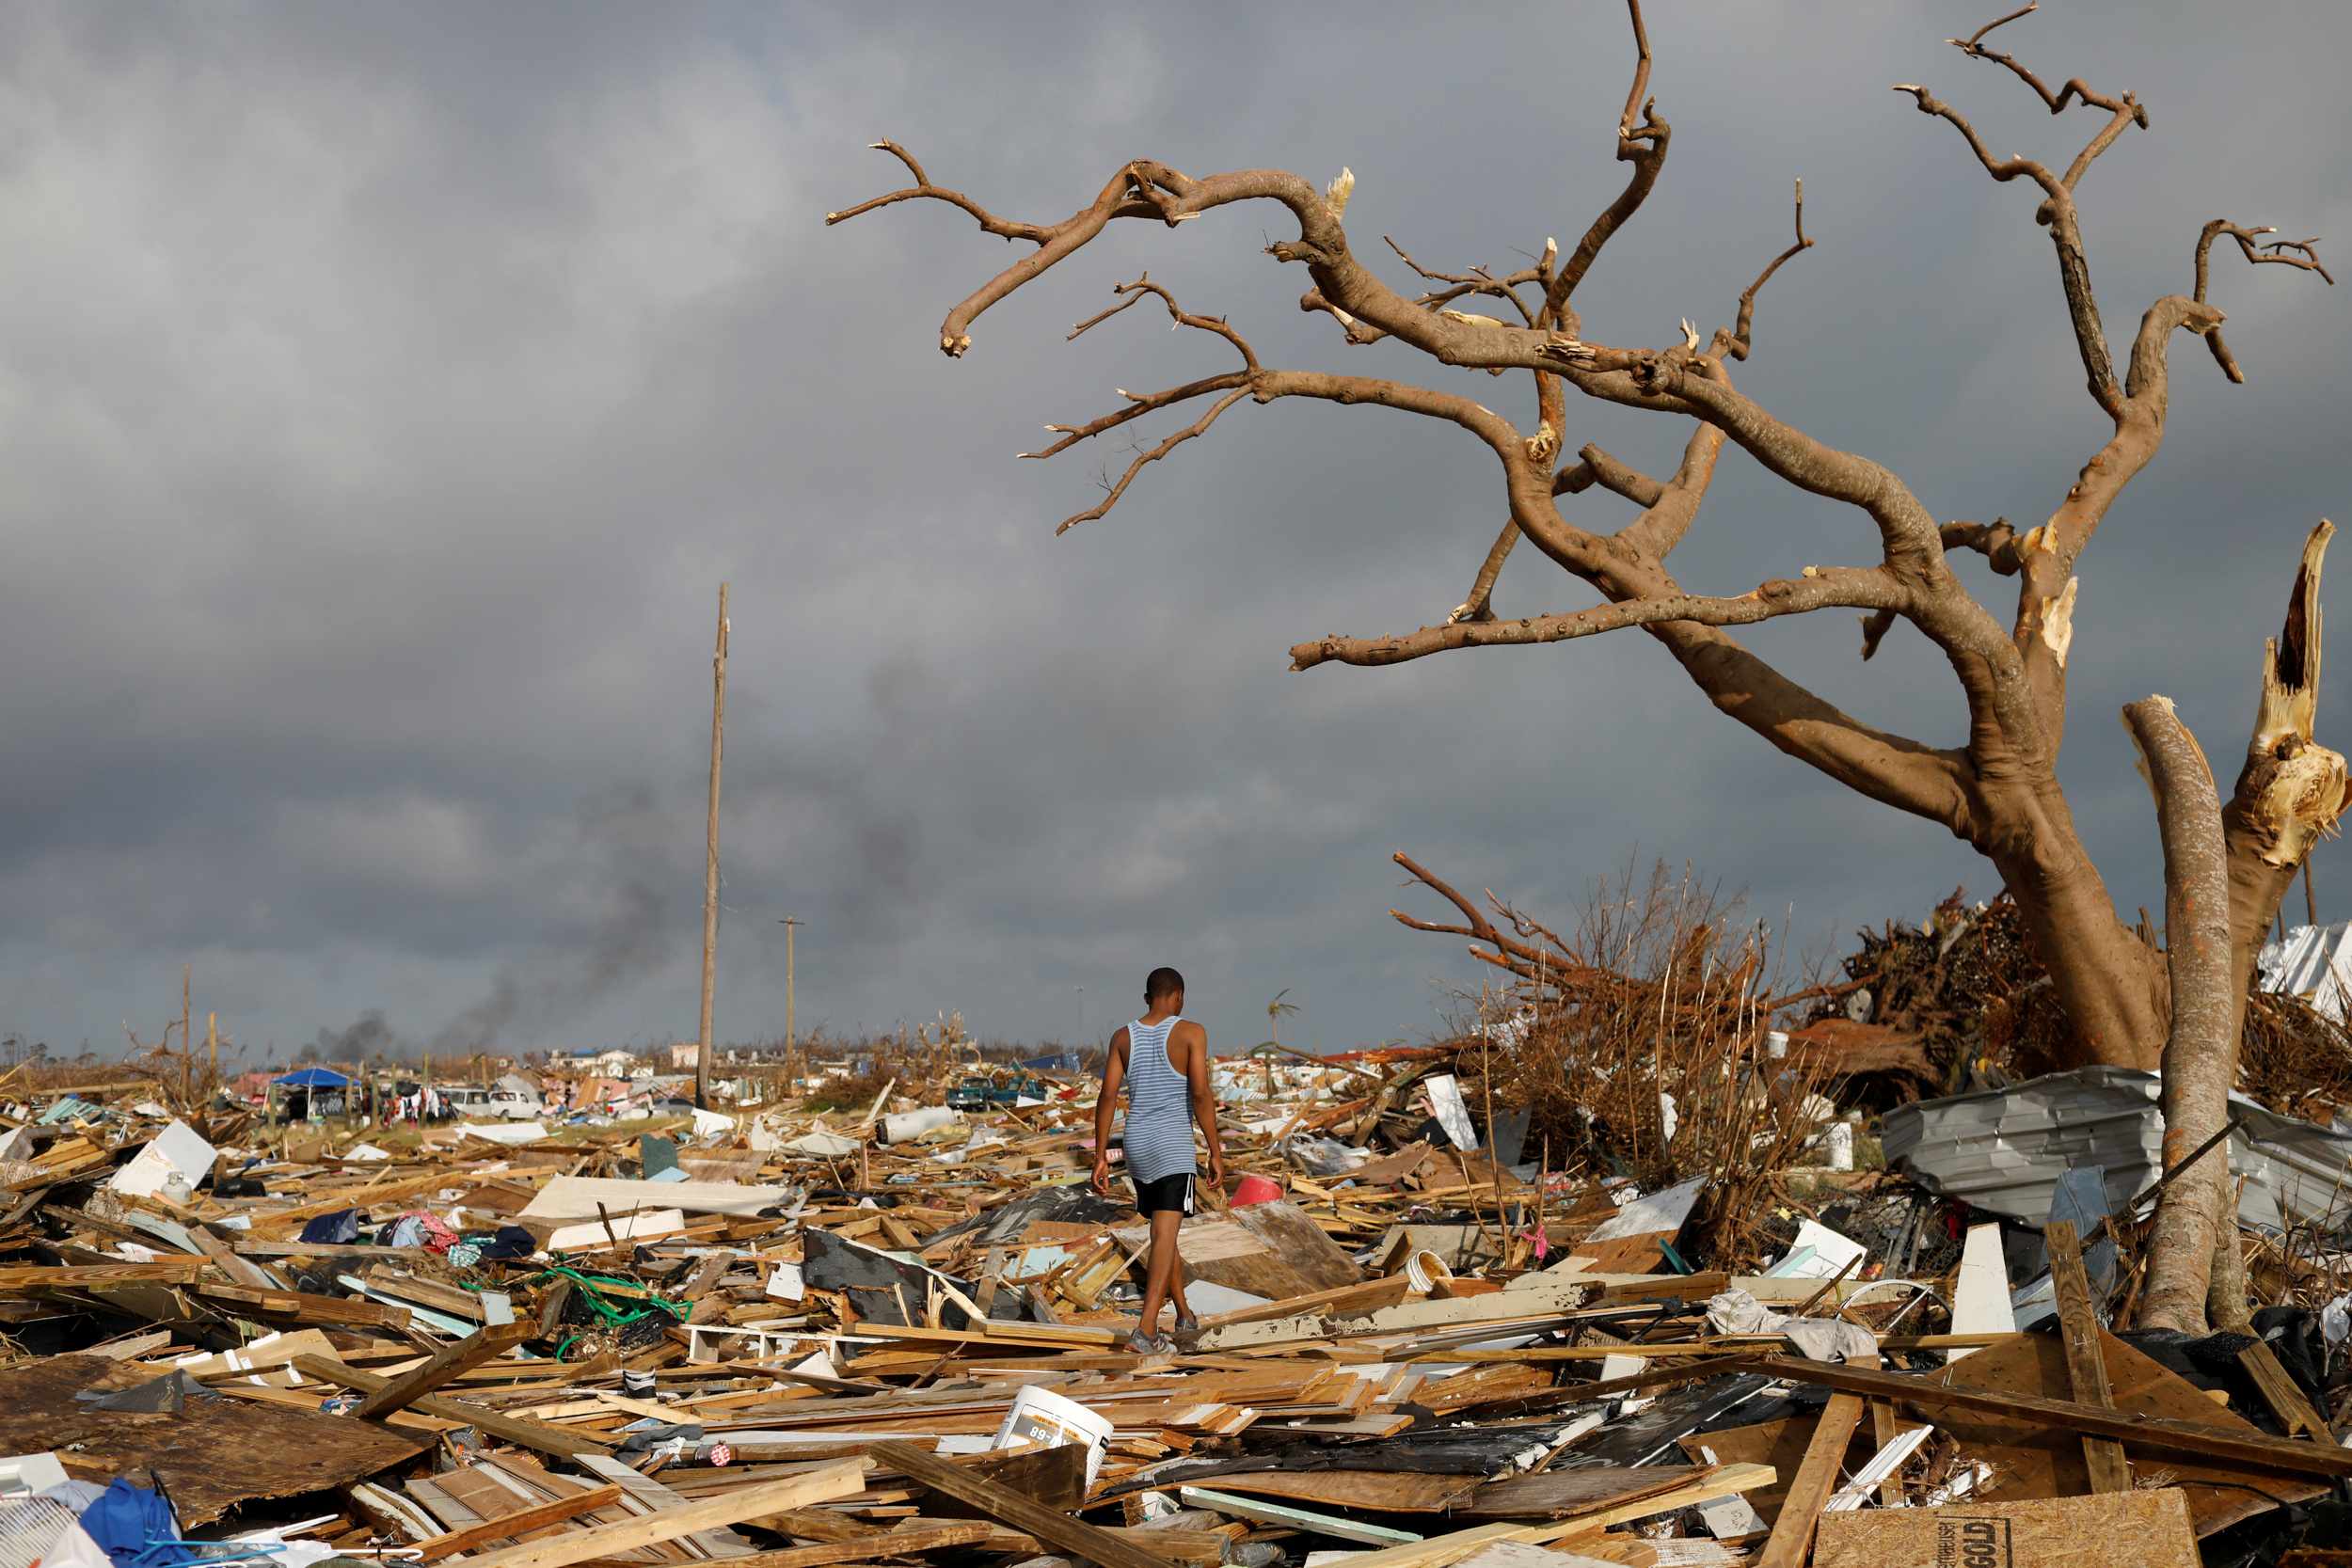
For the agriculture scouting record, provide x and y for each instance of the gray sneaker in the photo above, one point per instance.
(1148, 1344)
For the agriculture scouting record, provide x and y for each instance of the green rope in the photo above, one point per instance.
(612, 1316)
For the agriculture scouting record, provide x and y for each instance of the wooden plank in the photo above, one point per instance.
(1260, 1512)
(1575, 1493)
(518, 1429)
(1054, 1336)
(2282, 1393)
(1381, 1491)
(1365, 1296)
(1574, 1534)
(359, 1197)
(31, 1279)
(1791, 1540)
(455, 1514)
(225, 1257)
(1440, 1551)
(519, 1522)
(1885, 1426)
(1056, 1530)
(305, 1309)
(873, 1544)
(410, 1290)
(838, 1479)
(403, 1391)
(653, 1498)
(2086, 1366)
(2255, 1449)
(821, 1525)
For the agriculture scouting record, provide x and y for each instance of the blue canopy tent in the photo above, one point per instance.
(313, 1078)
(319, 1087)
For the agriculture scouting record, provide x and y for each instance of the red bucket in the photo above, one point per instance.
(1256, 1189)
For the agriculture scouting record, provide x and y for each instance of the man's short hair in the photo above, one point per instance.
(1163, 981)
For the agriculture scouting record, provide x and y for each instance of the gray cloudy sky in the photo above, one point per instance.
(384, 389)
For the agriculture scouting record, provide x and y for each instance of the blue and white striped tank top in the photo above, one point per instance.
(1159, 1106)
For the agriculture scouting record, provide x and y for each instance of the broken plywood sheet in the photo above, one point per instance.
(1304, 1261)
(576, 1198)
(2147, 1529)
(213, 1455)
(2035, 1461)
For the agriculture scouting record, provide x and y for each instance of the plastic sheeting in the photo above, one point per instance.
(2314, 962)
(2004, 1150)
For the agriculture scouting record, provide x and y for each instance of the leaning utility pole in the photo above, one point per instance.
(788, 926)
(710, 868)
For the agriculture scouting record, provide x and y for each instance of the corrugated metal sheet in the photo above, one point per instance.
(2004, 1150)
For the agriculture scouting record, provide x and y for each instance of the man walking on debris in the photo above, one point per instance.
(1164, 1059)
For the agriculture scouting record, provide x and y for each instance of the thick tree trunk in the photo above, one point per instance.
(2107, 979)
(2200, 1056)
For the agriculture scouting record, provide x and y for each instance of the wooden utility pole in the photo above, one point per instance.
(187, 971)
(788, 926)
(710, 867)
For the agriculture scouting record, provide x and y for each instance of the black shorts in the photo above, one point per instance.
(1169, 1193)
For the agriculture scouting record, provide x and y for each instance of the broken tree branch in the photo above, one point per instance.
(1821, 586)
(2274, 253)
(1736, 343)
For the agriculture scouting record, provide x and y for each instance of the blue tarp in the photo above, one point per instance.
(314, 1078)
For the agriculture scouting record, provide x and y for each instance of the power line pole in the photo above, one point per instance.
(789, 925)
(710, 870)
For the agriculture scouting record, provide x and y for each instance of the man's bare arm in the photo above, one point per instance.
(1114, 1070)
(1205, 1099)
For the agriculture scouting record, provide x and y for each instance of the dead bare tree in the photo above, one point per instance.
(1998, 790)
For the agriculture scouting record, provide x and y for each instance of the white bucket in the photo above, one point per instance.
(1043, 1419)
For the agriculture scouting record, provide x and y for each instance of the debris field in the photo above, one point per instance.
(894, 1332)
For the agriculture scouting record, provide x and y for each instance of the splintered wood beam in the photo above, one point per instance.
(474, 1349)
(1056, 1530)
(834, 1480)
(2086, 1364)
(521, 1522)
(1791, 1541)
(2282, 1393)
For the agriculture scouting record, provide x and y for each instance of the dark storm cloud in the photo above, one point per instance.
(383, 391)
